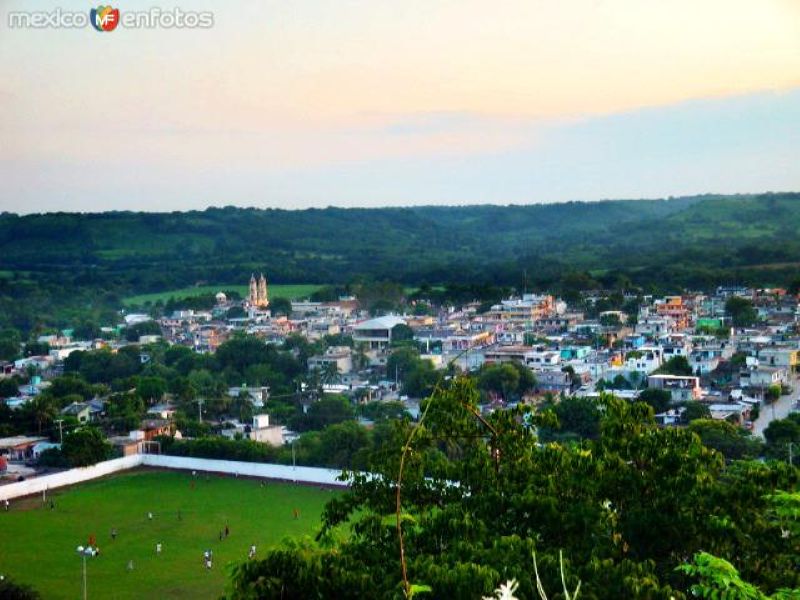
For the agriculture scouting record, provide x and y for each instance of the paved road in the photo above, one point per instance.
(779, 410)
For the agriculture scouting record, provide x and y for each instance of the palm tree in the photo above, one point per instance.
(360, 356)
(330, 373)
(314, 380)
(42, 411)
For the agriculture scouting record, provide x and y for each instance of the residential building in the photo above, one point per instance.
(376, 333)
(681, 388)
(340, 356)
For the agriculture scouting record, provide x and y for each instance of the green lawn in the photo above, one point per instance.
(291, 291)
(37, 544)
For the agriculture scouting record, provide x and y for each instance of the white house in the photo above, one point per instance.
(377, 333)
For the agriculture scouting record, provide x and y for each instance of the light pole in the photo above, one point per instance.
(200, 403)
(60, 431)
(84, 552)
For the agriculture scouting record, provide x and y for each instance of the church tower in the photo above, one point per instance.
(253, 296)
(263, 296)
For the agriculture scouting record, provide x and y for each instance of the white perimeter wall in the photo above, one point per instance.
(36, 485)
(311, 475)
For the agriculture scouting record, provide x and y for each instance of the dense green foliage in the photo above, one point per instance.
(741, 311)
(132, 386)
(508, 381)
(343, 445)
(780, 434)
(677, 365)
(85, 446)
(734, 442)
(719, 579)
(417, 375)
(65, 268)
(659, 400)
(479, 495)
(578, 418)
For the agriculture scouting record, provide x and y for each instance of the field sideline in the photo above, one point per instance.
(37, 544)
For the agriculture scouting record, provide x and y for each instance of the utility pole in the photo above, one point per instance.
(791, 458)
(60, 432)
(200, 409)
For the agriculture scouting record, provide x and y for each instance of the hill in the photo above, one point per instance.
(694, 241)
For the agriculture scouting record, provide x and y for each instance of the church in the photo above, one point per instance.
(258, 291)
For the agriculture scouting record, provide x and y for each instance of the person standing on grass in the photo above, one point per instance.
(113, 533)
(5, 503)
(252, 554)
(130, 565)
(149, 516)
(158, 549)
(227, 530)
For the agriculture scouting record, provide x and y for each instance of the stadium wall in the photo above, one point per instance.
(36, 485)
(311, 475)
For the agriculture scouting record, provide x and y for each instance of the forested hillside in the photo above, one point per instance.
(95, 259)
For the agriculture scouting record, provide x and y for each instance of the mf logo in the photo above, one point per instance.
(104, 18)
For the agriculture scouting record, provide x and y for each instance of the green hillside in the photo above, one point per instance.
(90, 260)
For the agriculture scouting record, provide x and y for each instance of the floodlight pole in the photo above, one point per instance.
(60, 431)
(84, 553)
(84, 576)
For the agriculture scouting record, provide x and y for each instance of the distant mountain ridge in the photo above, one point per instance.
(710, 236)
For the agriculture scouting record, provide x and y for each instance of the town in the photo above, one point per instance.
(400, 300)
(730, 355)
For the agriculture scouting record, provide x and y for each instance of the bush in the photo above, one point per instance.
(53, 457)
(660, 400)
(220, 448)
(86, 446)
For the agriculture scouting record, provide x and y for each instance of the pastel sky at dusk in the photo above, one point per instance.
(298, 103)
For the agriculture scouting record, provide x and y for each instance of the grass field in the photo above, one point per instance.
(291, 291)
(37, 544)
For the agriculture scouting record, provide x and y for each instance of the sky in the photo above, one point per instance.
(300, 103)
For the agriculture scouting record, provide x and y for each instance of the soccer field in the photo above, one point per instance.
(37, 544)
